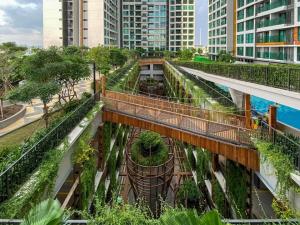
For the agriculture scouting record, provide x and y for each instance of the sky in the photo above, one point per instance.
(21, 21)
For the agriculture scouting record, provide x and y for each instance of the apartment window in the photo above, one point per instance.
(249, 38)
(240, 51)
(240, 39)
(249, 51)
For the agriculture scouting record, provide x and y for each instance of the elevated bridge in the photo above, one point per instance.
(201, 128)
(284, 94)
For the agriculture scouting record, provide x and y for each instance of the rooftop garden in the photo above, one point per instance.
(29, 156)
(33, 163)
(269, 75)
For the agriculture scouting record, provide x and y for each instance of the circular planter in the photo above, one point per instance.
(10, 120)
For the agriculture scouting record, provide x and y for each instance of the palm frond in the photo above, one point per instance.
(47, 212)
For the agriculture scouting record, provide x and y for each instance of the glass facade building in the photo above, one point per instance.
(144, 24)
(158, 25)
(154, 25)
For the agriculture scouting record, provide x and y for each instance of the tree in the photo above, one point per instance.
(41, 70)
(101, 56)
(224, 56)
(47, 212)
(10, 56)
(130, 53)
(167, 54)
(117, 58)
(141, 51)
(200, 51)
(73, 68)
(185, 54)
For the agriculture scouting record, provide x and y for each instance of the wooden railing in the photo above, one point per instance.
(151, 61)
(196, 125)
(216, 116)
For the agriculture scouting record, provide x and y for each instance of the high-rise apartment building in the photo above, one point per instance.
(263, 31)
(158, 24)
(144, 24)
(154, 25)
(181, 24)
(81, 22)
(268, 31)
(64, 22)
(103, 23)
(220, 26)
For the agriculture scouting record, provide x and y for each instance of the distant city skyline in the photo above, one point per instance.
(21, 22)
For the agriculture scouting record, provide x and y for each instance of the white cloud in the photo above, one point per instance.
(16, 4)
(28, 37)
(4, 19)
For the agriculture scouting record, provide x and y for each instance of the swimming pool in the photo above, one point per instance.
(285, 114)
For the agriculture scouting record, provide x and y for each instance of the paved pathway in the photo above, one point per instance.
(34, 111)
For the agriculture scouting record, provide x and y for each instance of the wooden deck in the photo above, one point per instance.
(233, 142)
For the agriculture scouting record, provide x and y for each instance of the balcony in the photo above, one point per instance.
(272, 55)
(273, 39)
(270, 6)
(272, 22)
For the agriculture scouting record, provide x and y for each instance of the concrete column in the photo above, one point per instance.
(151, 70)
(103, 87)
(237, 97)
(247, 100)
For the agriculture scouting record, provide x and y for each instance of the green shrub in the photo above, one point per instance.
(87, 182)
(218, 197)
(153, 145)
(188, 191)
(236, 178)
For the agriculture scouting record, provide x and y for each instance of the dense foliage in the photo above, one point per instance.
(127, 80)
(38, 147)
(149, 149)
(236, 180)
(219, 197)
(45, 213)
(270, 75)
(50, 72)
(188, 193)
(39, 185)
(224, 56)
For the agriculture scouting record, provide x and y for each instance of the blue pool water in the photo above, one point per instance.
(285, 114)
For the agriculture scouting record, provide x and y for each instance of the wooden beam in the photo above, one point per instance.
(71, 193)
(103, 88)
(247, 110)
(241, 154)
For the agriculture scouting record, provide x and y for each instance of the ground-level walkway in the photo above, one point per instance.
(34, 111)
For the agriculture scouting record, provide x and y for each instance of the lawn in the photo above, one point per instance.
(18, 136)
(203, 59)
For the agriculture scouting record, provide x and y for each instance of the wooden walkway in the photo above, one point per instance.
(233, 142)
(186, 109)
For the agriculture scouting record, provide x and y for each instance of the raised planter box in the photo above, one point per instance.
(14, 118)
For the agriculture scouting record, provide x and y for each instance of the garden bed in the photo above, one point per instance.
(10, 110)
(12, 113)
